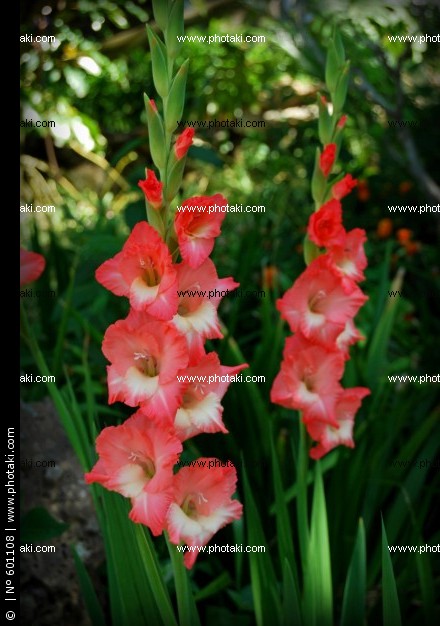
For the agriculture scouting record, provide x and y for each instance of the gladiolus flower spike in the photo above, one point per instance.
(161, 341)
(320, 308)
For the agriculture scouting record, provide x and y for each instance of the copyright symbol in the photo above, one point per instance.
(10, 615)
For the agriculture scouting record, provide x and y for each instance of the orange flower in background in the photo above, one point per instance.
(363, 191)
(405, 186)
(384, 228)
(270, 276)
(412, 247)
(404, 235)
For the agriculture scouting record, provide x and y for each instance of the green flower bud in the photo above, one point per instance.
(156, 134)
(175, 29)
(161, 10)
(176, 98)
(339, 47)
(332, 68)
(159, 63)
(325, 122)
(341, 88)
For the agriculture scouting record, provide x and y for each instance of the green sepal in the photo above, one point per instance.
(337, 139)
(341, 89)
(161, 10)
(175, 29)
(332, 68)
(339, 47)
(174, 178)
(156, 135)
(159, 63)
(155, 219)
(311, 250)
(325, 123)
(318, 180)
(176, 98)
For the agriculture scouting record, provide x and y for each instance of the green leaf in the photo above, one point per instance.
(302, 461)
(74, 426)
(390, 599)
(88, 592)
(284, 529)
(188, 614)
(264, 584)
(377, 353)
(318, 594)
(154, 575)
(291, 603)
(427, 584)
(38, 525)
(222, 581)
(133, 597)
(353, 605)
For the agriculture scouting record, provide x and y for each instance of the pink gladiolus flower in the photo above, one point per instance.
(136, 460)
(143, 272)
(202, 505)
(325, 225)
(344, 187)
(201, 411)
(329, 437)
(327, 158)
(152, 189)
(309, 379)
(348, 337)
(319, 305)
(196, 229)
(32, 266)
(183, 142)
(349, 257)
(200, 292)
(145, 357)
